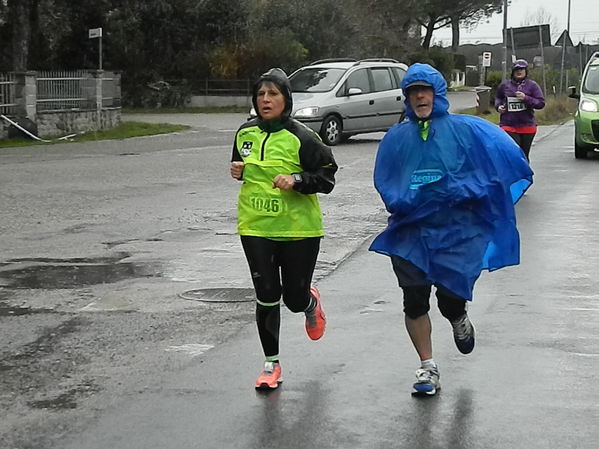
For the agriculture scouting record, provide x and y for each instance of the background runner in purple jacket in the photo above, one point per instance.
(516, 100)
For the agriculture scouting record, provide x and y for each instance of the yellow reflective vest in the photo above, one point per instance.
(270, 212)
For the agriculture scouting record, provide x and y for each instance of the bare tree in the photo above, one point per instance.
(541, 17)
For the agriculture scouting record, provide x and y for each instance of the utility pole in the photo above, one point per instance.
(542, 45)
(504, 76)
(566, 35)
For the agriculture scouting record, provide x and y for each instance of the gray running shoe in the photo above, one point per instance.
(427, 383)
(463, 334)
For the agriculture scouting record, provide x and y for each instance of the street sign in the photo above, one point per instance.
(486, 59)
(95, 32)
(529, 37)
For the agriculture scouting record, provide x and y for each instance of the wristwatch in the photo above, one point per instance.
(297, 178)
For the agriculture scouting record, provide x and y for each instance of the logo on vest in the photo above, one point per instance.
(246, 149)
(422, 177)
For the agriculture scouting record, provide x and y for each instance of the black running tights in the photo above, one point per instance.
(279, 268)
(524, 141)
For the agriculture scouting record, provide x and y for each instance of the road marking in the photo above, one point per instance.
(110, 303)
(192, 349)
(580, 309)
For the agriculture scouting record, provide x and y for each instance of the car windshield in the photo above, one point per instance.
(315, 79)
(591, 83)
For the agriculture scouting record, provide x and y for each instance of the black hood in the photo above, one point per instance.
(279, 78)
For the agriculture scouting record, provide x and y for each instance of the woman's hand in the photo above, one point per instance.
(237, 169)
(283, 182)
(501, 109)
(520, 95)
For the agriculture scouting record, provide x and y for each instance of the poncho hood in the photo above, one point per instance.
(424, 72)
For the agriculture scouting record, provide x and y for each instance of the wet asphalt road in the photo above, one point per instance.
(103, 242)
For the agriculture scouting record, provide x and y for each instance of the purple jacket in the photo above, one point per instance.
(519, 113)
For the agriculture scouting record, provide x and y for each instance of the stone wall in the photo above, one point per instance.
(62, 123)
(210, 101)
(58, 124)
(3, 129)
(100, 109)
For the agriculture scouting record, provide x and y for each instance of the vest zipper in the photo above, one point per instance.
(263, 145)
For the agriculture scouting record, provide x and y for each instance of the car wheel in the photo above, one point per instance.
(331, 130)
(580, 152)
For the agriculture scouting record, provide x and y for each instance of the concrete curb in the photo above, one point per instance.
(545, 131)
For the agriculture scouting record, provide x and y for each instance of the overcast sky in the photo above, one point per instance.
(584, 22)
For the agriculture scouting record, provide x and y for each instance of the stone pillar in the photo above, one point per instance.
(117, 89)
(26, 94)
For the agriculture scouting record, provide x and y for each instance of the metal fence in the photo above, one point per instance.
(58, 90)
(222, 87)
(7, 93)
(53, 91)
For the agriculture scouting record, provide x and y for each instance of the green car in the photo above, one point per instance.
(586, 118)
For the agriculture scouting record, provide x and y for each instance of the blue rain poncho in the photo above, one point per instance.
(451, 197)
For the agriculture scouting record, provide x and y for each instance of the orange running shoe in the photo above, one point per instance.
(270, 377)
(316, 320)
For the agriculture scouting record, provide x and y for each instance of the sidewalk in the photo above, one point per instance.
(545, 131)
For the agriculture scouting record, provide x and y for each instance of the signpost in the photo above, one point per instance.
(96, 33)
(486, 59)
(485, 63)
(529, 37)
(566, 34)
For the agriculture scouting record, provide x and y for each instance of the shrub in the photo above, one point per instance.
(557, 110)
(493, 81)
(552, 79)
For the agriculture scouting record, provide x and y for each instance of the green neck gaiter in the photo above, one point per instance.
(423, 128)
(272, 126)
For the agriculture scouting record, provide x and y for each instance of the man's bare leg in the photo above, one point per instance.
(419, 330)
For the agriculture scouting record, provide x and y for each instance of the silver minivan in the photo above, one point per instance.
(338, 98)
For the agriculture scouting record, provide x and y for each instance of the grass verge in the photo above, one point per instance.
(123, 131)
(557, 110)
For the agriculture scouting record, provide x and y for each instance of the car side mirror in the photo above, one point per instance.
(354, 91)
(573, 93)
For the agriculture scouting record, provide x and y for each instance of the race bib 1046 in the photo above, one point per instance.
(263, 204)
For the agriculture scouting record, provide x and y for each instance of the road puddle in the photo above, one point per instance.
(63, 401)
(220, 295)
(9, 310)
(47, 273)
